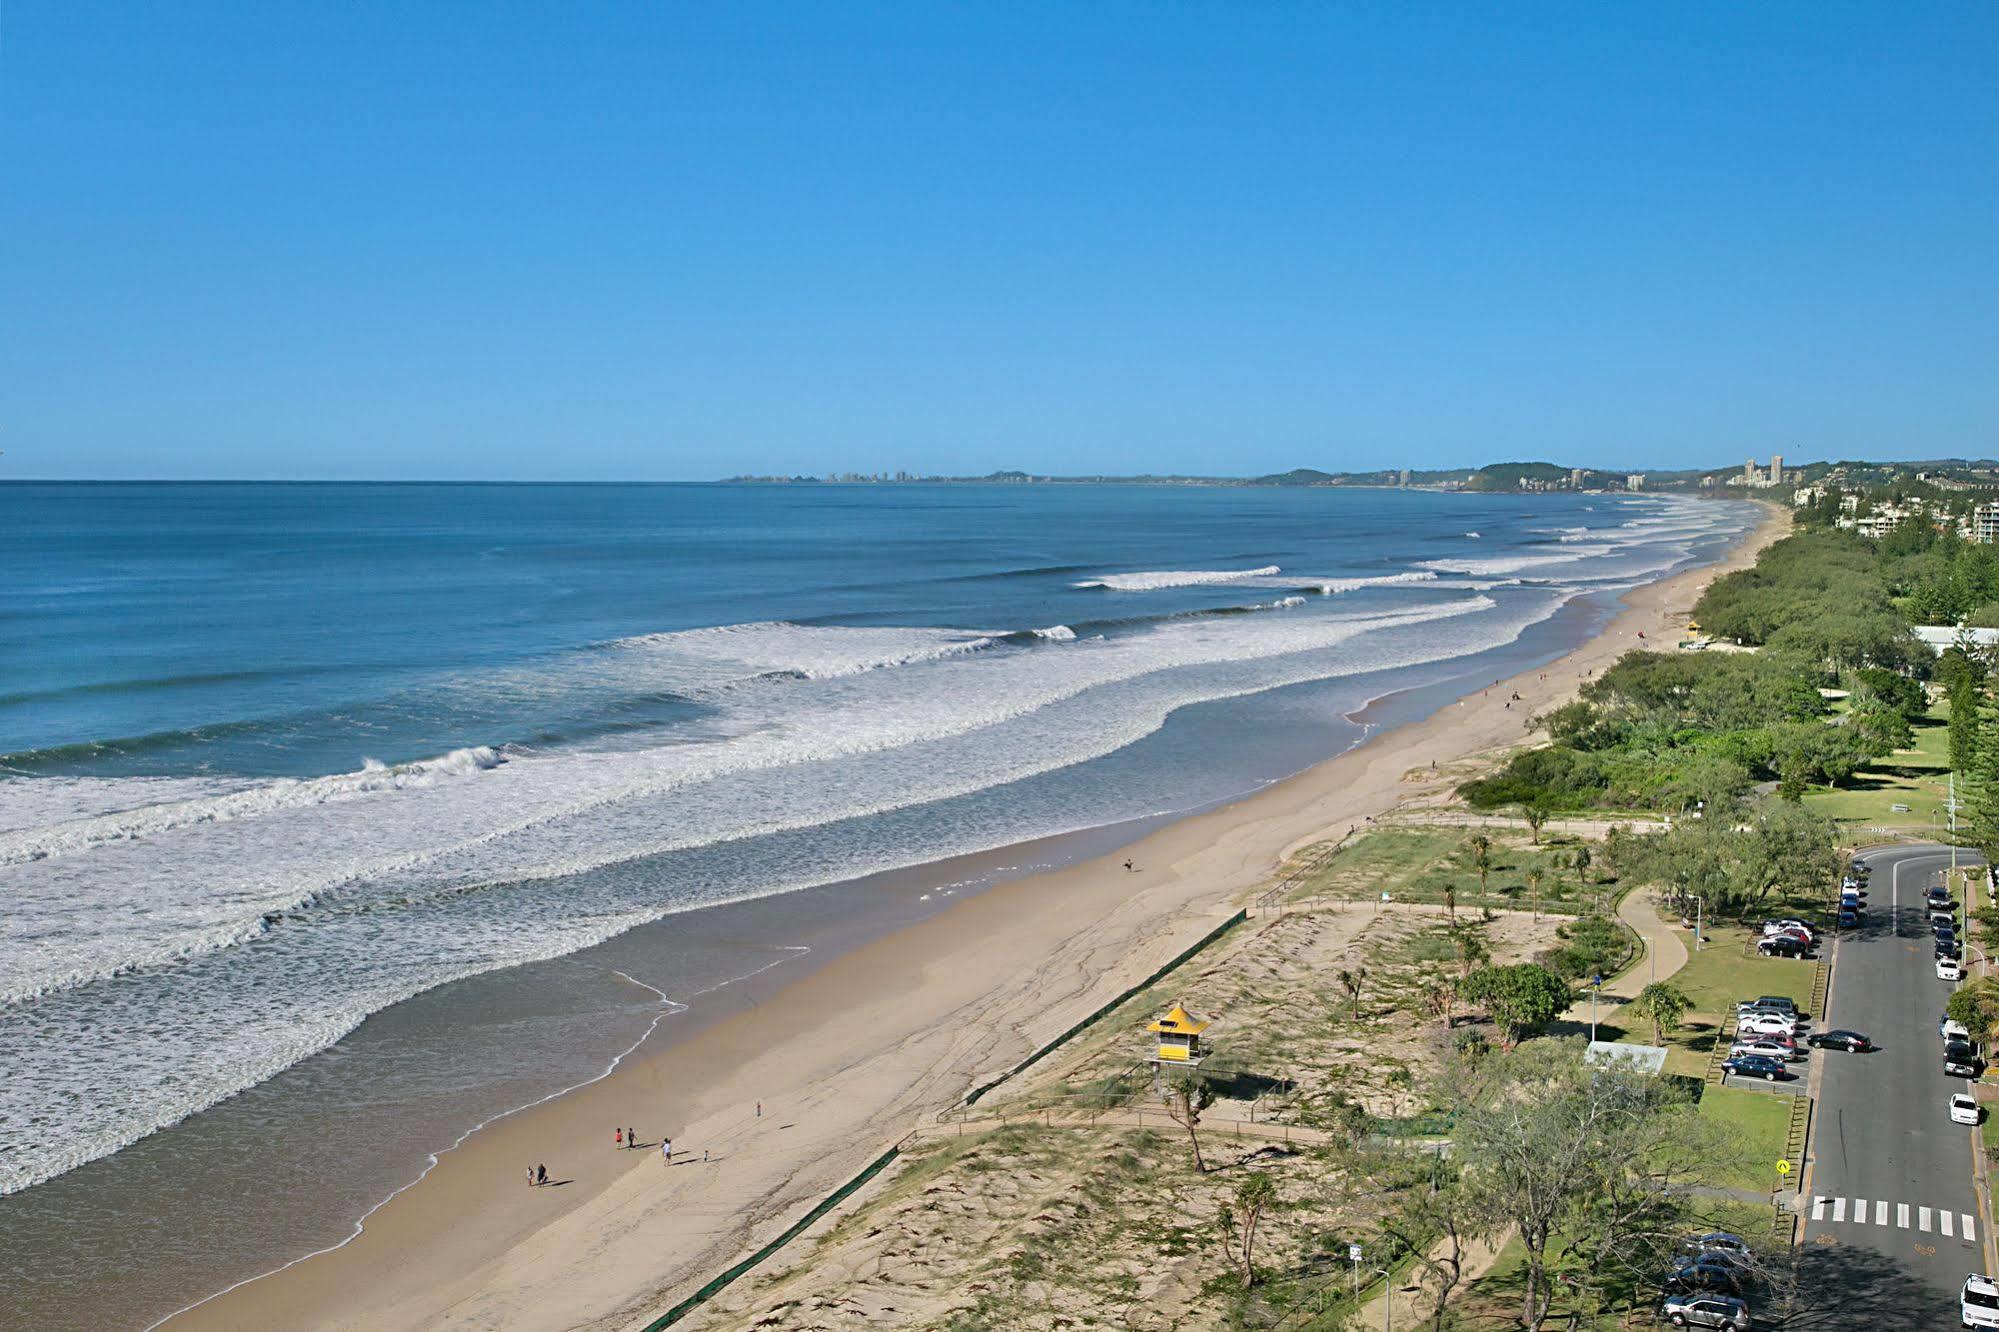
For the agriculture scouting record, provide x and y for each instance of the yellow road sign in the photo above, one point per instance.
(1783, 1167)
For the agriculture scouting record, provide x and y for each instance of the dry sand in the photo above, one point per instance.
(850, 1058)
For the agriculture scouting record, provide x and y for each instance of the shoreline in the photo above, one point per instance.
(847, 1057)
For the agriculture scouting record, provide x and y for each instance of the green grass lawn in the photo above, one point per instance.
(1758, 1122)
(1914, 777)
(1725, 972)
(1716, 979)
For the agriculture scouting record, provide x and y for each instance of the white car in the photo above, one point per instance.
(1978, 1304)
(1948, 1029)
(1771, 927)
(1948, 968)
(1963, 1109)
(1767, 1024)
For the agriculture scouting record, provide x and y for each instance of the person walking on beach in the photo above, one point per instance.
(666, 1151)
(529, 1172)
(541, 1174)
(617, 1138)
(631, 1137)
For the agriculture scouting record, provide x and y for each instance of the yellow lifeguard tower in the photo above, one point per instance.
(1179, 1037)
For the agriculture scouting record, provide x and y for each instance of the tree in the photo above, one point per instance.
(1351, 982)
(1976, 1005)
(1440, 999)
(1536, 814)
(1188, 1093)
(1481, 857)
(1963, 721)
(1255, 1193)
(1580, 858)
(1434, 1217)
(1451, 900)
(1520, 999)
(1471, 947)
(1534, 877)
(1665, 1005)
(1592, 1167)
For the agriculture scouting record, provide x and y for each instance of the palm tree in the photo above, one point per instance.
(1534, 877)
(1351, 982)
(1665, 1005)
(1451, 900)
(1481, 857)
(1536, 814)
(1188, 1093)
(1581, 861)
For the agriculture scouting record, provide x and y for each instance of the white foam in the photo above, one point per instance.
(1060, 633)
(405, 878)
(1328, 587)
(1153, 581)
(1510, 564)
(244, 1000)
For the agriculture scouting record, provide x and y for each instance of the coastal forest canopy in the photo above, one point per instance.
(1833, 682)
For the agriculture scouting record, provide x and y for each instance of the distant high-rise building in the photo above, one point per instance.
(1985, 524)
(1576, 477)
(1749, 472)
(1776, 469)
(1636, 481)
(1402, 477)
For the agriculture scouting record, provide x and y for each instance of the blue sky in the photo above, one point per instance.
(665, 241)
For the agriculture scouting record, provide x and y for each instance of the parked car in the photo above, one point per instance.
(1777, 1047)
(1767, 1024)
(1841, 1039)
(1949, 948)
(1710, 1272)
(1943, 918)
(1945, 932)
(1849, 920)
(1707, 1310)
(1963, 1108)
(1961, 1065)
(1978, 1302)
(1937, 894)
(1948, 968)
(1951, 1030)
(1756, 1066)
(1779, 1002)
(1717, 1241)
(1784, 945)
(1787, 926)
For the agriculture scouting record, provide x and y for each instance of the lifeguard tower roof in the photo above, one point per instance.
(1178, 1022)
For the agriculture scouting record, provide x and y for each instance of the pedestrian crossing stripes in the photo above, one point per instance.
(1874, 1211)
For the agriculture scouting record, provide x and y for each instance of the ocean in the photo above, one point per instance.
(336, 819)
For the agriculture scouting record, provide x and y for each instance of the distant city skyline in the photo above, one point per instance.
(649, 243)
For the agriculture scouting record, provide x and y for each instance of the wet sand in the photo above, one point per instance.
(845, 1060)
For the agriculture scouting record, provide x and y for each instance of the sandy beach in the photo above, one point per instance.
(772, 1108)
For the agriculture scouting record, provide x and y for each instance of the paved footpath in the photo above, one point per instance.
(1664, 956)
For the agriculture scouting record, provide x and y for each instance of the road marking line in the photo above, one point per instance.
(1902, 1215)
(1818, 1207)
(1949, 1224)
(1880, 1213)
(1970, 1229)
(1923, 1219)
(1839, 1209)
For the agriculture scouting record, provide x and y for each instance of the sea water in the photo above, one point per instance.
(331, 808)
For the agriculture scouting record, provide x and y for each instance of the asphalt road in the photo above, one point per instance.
(1891, 1217)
